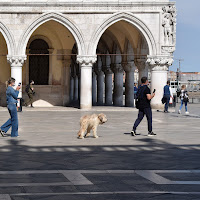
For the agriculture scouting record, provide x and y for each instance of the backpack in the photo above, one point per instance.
(27, 88)
(184, 96)
(139, 96)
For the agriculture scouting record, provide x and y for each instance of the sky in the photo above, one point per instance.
(188, 35)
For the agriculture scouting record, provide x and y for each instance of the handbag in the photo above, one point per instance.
(137, 103)
(185, 99)
(164, 100)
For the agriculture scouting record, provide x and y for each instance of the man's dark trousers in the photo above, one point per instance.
(142, 112)
(167, 102)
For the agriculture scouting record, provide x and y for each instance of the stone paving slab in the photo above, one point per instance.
(46, 161)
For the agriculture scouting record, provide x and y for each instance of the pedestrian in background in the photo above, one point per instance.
(144, 97)
(11, 98)
(135, 89)
(184, 99)
(167, 94)
(30, 92)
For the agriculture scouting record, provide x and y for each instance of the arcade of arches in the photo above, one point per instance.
(51, 63)
(84, 59)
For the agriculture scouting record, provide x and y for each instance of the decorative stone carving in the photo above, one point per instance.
(160, 63)
(85, 61)
(129, 67)
(117, 68)
(168, 49)
(169, 25)
(107, 70)
(16, 61)
(141, 63)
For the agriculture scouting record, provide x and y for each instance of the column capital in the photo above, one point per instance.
(117, 68)
(99, 72)
(129, 66)
(141, 63)
(16, 61)
(160, 63)
(107, 69)
(86, 61)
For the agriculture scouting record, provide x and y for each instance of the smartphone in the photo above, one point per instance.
(154, 90)
(19, 84)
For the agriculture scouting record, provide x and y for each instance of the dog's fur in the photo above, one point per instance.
(91, 122)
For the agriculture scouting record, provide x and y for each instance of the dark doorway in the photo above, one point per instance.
(39, 64)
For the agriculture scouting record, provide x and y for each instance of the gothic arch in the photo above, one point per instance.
(128, 17)
(8, 38)
(55, 17)
(47, 40)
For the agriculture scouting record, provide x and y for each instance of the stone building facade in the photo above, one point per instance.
(73, 48)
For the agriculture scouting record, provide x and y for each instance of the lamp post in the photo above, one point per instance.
(178, 91)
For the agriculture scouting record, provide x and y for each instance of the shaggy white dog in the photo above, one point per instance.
(91, 122)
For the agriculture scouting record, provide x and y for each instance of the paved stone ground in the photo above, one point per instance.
(48, 162)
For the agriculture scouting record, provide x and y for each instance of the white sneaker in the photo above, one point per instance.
(179, 112)
(187, 113)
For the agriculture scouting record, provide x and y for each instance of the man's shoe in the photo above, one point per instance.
(179, 112)
(2, 133)
(133, 133)
(187, 113)
(150, 134)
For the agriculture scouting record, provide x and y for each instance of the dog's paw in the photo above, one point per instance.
(87, 135)
(96, 136)
(81, 138)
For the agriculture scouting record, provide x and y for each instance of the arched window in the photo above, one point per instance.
(39, 64)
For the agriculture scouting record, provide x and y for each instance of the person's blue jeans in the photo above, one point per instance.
(142, 112)
(167, 102)
(12, 122)
(182, 105)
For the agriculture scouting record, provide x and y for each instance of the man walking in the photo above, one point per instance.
(167, 95)
(30, 92)
(144, 97)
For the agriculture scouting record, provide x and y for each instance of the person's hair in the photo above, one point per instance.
(9, 81)
(144, 79)
(183, 87)
(168, 82)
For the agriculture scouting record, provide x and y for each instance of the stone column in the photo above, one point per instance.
(100, 87)
(76, 88)
(108, 86)
(66, 82)
(142, 68)
(72, 83)
(94, 88)
(100, 81)
(86, 63)
(16, 63)
(159, 66)
(118, 84)
(71, 88)
(129, 84)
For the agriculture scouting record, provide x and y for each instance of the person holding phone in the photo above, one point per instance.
(11, 98)
(30, 92)
(144, 97)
